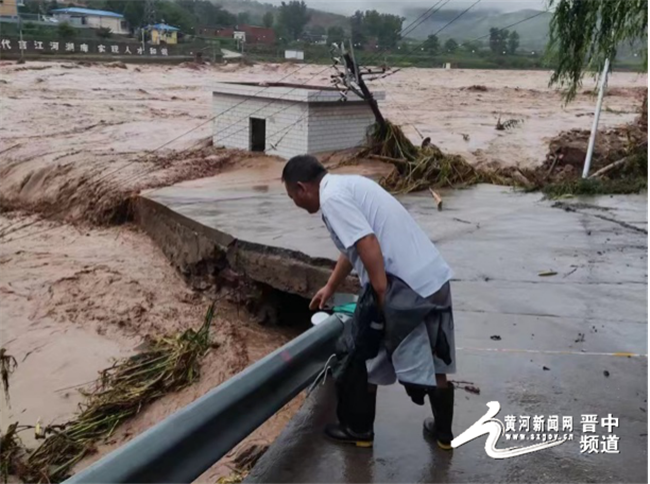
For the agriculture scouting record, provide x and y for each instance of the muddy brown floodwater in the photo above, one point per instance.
(72, 299)
(75, 142)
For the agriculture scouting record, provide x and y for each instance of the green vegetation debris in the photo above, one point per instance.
(120, 392)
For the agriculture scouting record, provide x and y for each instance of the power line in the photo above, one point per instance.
(405, 30)
(509, 26)
(211, 119)
(417, 46)
(422, 17)
(408, 29)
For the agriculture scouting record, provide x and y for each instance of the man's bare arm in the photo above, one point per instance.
(340, 272)
(370, 253)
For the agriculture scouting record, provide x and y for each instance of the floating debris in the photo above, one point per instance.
(11, 449)
(508, 124)
(495, 337)
(421, 168)
(547, 273)
(120, 392)
(8, 365)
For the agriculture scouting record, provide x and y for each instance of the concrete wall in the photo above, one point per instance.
(207, 257)
(294, 125)
(336, 126)
(286, 132)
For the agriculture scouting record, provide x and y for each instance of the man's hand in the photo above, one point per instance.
(321, 297)
(341, 271)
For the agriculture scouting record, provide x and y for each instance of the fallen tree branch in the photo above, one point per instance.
(609, 167)
(394, 161)
(622, 161)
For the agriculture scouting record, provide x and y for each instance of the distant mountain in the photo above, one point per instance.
(258, 9)
(533, 33)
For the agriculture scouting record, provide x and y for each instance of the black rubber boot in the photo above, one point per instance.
(346, 435)
(442, 405)
(356, 406)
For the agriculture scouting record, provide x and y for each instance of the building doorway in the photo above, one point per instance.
(258, 134)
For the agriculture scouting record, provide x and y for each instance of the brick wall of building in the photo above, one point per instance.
(286, 124)
(292, 128)
(336, 126)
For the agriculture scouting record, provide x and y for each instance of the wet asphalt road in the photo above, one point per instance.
(586, 321)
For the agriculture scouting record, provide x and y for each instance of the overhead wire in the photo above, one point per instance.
(508, 26)
(409, 28)
(421, 19)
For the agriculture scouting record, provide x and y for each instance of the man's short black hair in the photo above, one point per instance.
(303, 169)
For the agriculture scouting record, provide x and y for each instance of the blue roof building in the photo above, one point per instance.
(88, 17)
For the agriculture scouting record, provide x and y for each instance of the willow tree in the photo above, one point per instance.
(583, 33)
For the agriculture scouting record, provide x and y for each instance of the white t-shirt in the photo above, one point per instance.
(354, 206)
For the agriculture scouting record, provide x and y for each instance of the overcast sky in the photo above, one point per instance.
(348, 7)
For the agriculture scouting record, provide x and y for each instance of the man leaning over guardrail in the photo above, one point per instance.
(403, 327)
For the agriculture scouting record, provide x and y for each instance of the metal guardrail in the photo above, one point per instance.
(187, 443)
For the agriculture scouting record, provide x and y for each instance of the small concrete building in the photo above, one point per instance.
(163, 34)
(287, 119)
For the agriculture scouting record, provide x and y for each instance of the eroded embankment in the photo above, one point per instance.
(272, 283)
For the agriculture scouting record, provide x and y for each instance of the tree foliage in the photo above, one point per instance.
(66, 31)
(356, 29)
(243, 18)
(335, 35)
(104, 33)
(372, 24)
(498, 40)
(583, 33)
(317, 30)
(432, 44)
(513, 42)
(173, 13)
(294, 17)
(187, 15)
(472, 45)
(267, 20)
(451, 46)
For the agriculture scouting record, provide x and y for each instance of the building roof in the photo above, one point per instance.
(87, 11)
(163, 27)
(287, 92)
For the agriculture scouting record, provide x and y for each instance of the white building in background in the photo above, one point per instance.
(294, 54)
(88, 17)
(288, 120)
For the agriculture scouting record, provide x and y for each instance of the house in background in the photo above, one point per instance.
(163, 34)
(250, 34)
(9, 8)
(87, 17)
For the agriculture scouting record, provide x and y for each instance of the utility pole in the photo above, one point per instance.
(602, 85)
(352, 79)
(149, 17)
(21, 43)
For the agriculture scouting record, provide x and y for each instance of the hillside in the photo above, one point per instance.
(533, 33)
(258, 9)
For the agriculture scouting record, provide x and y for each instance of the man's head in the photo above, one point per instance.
(301, 176)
